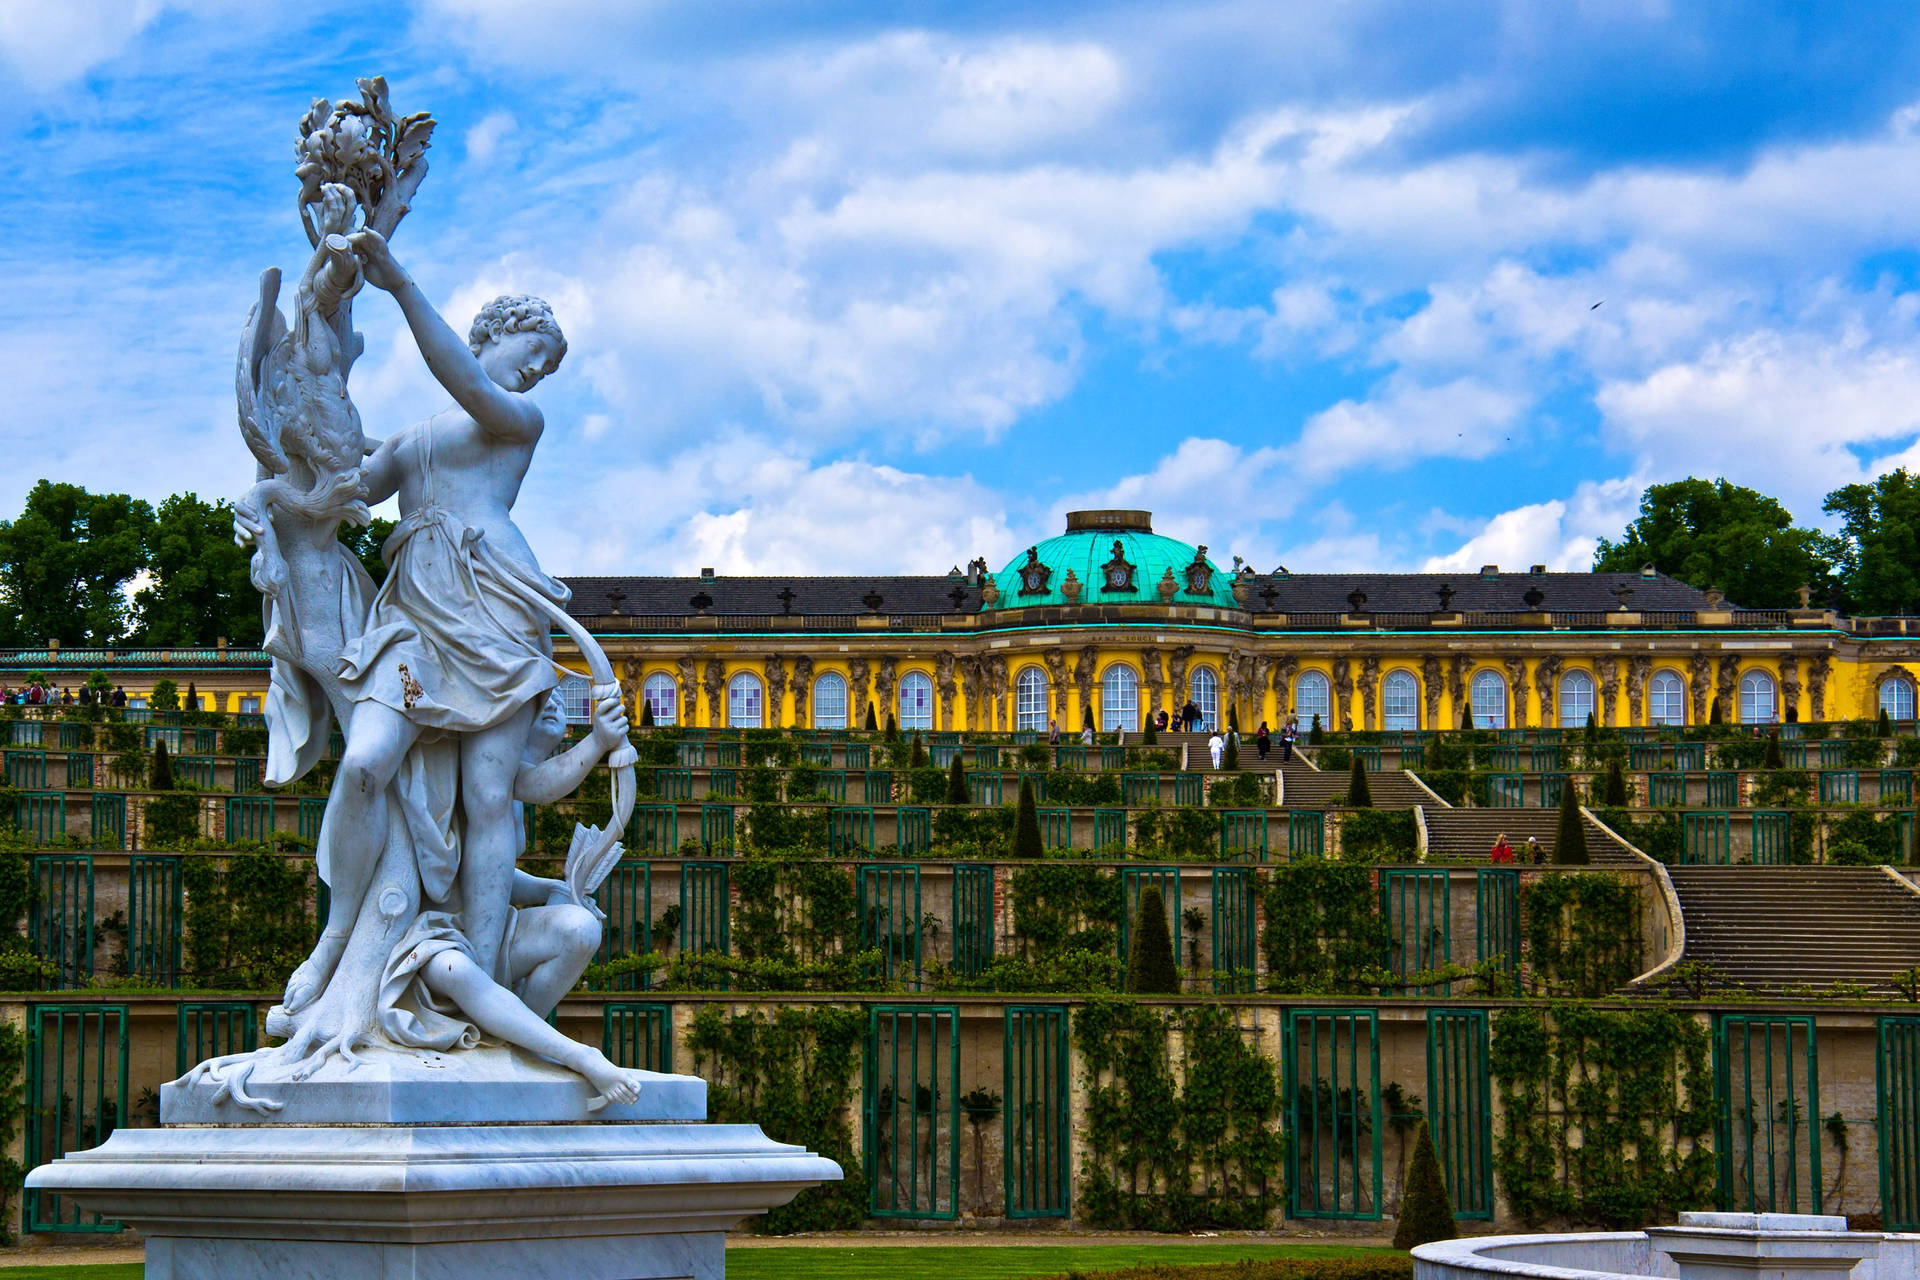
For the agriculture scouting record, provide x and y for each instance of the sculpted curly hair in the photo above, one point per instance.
(516, 314)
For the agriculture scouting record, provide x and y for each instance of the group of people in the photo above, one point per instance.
(1535, 854)
(37, 694)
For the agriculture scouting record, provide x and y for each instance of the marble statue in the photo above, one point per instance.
(443, 681)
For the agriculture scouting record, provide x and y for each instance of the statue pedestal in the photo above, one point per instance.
(634, 1199)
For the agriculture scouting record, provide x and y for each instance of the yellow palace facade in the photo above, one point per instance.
(1110, 623)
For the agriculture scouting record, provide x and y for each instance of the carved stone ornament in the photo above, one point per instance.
(989, 593)
(802, 687)
(1817, 667)
(1430, 678)
(1699, 674)
(1168, 588)
(1199, 574)
(1639, 670)
(1608, 668)
(1789, 688)
(1284, 669)
(1071, 588)
(1034, 576)
(1369, 691)
(1117, 575)
(1342, 694)
(1546, 678)
(1445, 592)
(1517, 679)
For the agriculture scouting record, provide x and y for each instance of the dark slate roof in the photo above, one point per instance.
(761, 595)
(1474, 593)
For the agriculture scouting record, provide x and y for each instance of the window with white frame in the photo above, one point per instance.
(1756, 698)
(250, 706)
(576, 699)
(916, 702)
(745, 705)
(1896, 697)
(662, 697)
(1206, 696)
(1313, 698)
(1030, 700)
(1119, 699)
(1576, 699)
(1489, 700)
(830, 701)
(1400, 701)
(1666, 699)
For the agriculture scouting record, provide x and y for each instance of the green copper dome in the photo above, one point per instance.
(1114, 557)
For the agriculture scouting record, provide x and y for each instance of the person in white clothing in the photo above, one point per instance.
(1217, 745)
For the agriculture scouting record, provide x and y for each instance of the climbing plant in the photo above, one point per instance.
(1323, 933)
(793, 909)
(1177, 1145)
(246, 920)
(1582, 934)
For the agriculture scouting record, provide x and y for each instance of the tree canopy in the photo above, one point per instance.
(1716, 534)
(198, 589)
(65, 562)
(1878, 550)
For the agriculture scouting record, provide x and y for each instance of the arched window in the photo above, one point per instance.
(916, 702)
(1030, 700)
(1489, 701)
(830, 701)
(1666, 699)
(1119, 699)
(576, 699)
(1206, 696)
(663, 696)
(744, 702)
(1400, 701)
(1896, 697)
(1312, 696)
(1576, 699)
(1756, 698)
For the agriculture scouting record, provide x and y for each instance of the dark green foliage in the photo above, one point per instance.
(1182, 833)
(957, 792)
(165, 695)
(192, 701)
(246, 920)
(1150, 736)
(646, 714)
(1711, 533)
(1177, 1146)
(1359, 793)
(873, 721)
(1241, 791)
(1883, 725)
(797, 911)
(1426, 1214)
(1772, 759)
(1614, 793)
(13, 1058)
(1230, 758)
(64, 564)
(1863, 838)
(160, 769)
(793, 1074)
(1323, 928)
(1065, 908)
(1026, 825)
(1379, 835)
(1582, 934)
(1714, 713)
(1570, 840)
(1879, 543)
(917, 757)
(1315, 734)
(1150, 964)
(365, 545)
(200, 588)
(893, 728)
(1635, 1085)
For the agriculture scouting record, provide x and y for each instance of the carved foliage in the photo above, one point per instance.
(714, 680)
(1727, 681)
(1343, 693)
(776, 669)
(1546, 678)
(1177, 673)
(1285, 667)
(1789, 687)
(1817, 668)
(802, 687)
(686, 668)
(1608, 668)
(1369, 691)
(1517, 679)
(1639, 669)
(1699, 672)
(1430, 678)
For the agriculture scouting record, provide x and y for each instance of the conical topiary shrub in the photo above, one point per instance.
(1230, 758)
(193, 698)
(160, 769)
(1616, 793)
(1150, 967)
(1026, 825)
(917, 754)
(1714, 716)
(1315, 734)
(1883, 725)
(646, 714)
(957, 792)
(1359, 794)
(1570, 841)
(873, 721)
(893, 728)
(1426, 1212)
(1773, 759)
(1152, 735)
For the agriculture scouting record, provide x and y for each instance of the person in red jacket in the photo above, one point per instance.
(1502, 851)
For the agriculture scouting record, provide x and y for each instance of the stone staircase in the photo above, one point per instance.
(1310, 788)
(1770, 928)
(1470, 833)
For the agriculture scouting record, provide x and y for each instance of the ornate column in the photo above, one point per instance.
(1177, 674)
(1726, 685)
(689, 709)
(973, 688)
(1639, 670)
(1083, 668)
(1546, 678)
(1817, 667)
(1369, 692)
(802, 689)
(1699, 673)
(630, 687)
(997, 691)
(1430, 688)
(857, 671)
(883, 685)
(1154, 678)
(1517, 680)
(1457, 689)
(776, 669)
(1342, 694)
(943, 682)
(1285, 666)
(1789, 688)
(1608, 668)
(1260, 671)
(714, 680)
(1057, 674)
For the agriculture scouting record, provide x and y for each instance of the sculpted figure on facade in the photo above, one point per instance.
(1177, 660)
(1343, 694)
(972, 688)
(1285, 667)
(1639, 671)
(858, 670)
(1817, 668)
(884, 682)
(1517, 681)
(630, 685)
(775, 667)
(802, 688)
(442, 682)
(997, 686)
(1789, 687)
(1699, 675)
(1546, 678)
(1083, 671)
(1153, 677)
(1726, 684)
(1370, 691)
(1607, 667)
(1430, 679)
(1259, 679)
(1457, 688)
(1056, 660)
(713, 680)
(943, 682)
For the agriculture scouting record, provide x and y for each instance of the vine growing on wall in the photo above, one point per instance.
(793, 910)
(246, 920)
(1582, 934)
(793, 1074)
(1605, 1115)
(1324, 932)
(1177, 1146)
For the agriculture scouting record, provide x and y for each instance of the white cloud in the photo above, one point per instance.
(45, 45)
(1561, 534)
(1404, 424)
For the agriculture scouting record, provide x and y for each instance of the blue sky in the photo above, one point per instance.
(883, 287)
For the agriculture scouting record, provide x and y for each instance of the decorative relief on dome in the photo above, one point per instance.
(1034, 575)
(1116, 574)
(1199, 574)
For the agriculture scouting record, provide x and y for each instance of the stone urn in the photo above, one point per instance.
(1168, 587)
(989, 593)
(1241, 590)
(1071, 588)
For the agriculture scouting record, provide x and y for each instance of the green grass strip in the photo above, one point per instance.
(995, 1262)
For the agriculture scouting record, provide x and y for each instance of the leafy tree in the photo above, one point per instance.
(1359, 793)
(1879, 543)
(165, 695)
(1315, 734)
(65, 561)
(199, 590)
(1570, 841)
(1026, 824)
(1715, 534)
(957, 792)
(1426, 1211)
(366, 543)
(1151, 970)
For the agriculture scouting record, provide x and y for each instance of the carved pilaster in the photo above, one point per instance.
(776, 669)
(1608, 668)
(1789, 688)
(972, 682)
(1260, 671)
(1370, 692)
(802, 688)
(714, 681)
(1517, 681)
(883, 686)
(1285, 667)
(1342, 694)
(1083, 668)
(1817, 667)
(1430, 678)
(997, 690)
(1056, 661)
(689, 707)
(1457, 689)
(1177, 673)
(943, 684)
(1727, 681)
(858, 669)
(1155, 679)
(1546, 678)
(630, 687)
(1639, 671)
(1699, 676)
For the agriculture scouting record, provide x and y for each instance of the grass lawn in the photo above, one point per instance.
(889, 1262)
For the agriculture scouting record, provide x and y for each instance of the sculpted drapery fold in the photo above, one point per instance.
(943, 666)
(1370, 691)
(884, 682)
(1056, 661)
(1699, 677)
(1817, 668)
(1259, 679)
(1083, 669)
(714, 681)
(1639, 671)
(1343, 694)
(1457, 689)
(1285, 667)
(1608, 668)
(1546, 678)
(1517, 679)
(688, 671)
(996, 668)
(802, 688)
(1154, 678)
(858, 669)
(776, 669)
(1430, 678)
(972, 693)
(1726, 685)
(1177, 661)
(1789, 688)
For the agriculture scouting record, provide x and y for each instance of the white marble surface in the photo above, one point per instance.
(494, 1084)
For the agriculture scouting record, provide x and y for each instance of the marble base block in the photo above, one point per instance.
(597, 1201)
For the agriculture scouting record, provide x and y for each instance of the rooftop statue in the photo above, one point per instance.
(443, 681)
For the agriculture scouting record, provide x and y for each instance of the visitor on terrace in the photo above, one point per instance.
(1502, 851)
(1262, 740)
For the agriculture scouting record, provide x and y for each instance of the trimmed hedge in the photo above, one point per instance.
(1382, 1266)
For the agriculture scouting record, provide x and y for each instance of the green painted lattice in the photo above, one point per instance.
(912, 1129)
(79, 770)
(75, 737)
(1056, 828)
(859, 755)
(246, 775)
(76, 1096)
(704, 909)
(154, 918)
(1689, 756)
(27, 769)
(1132, 881)
(1897, 1075)
(1332, 1091)
(1243, 835)
(831, 784)
(1551, 785)
(1766, 1087)
(972, 918)
(249, 819)
(1306, 833)
(716, 828)
(1234, 940)
(1138, 789)
(1772, 837)
(197, 770)
(654, 828)
(913, 829)
(1506, 791)
(626, 898)
(1460, 1107)
(1896, 786)
(1414, 905)
(877, 786)
(108, 812)
(1723, 790)
(1833, 753)
(1706, 839)
(1644, 757)
(889, 907)
(312, 810)
(673, 784)
(850, 829)
(1186, 789)
(1840, 786)
(1039, 1164)
(60, 916)
(985, 788)
(723, 783)
(213, 1029)
(1666, 790)
(41, 816)
(1496, 893)
(638, 1036)
(1110, 829)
